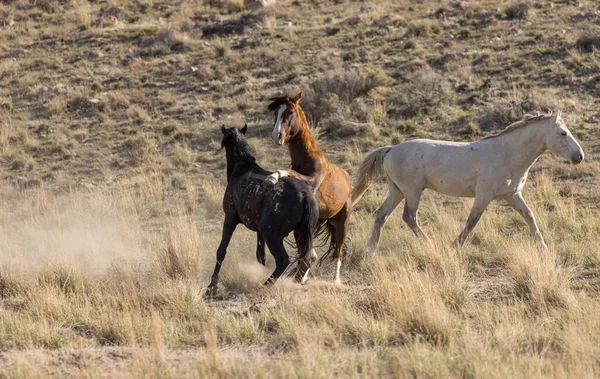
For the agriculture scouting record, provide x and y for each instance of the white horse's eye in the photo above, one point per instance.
(564, 133)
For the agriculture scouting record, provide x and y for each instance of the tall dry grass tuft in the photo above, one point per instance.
(212, 193)
(537, 277)
(182, 255)
(412, 299)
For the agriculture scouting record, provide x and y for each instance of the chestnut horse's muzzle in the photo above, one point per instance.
(277, 137)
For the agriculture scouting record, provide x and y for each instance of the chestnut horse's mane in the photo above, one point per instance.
(277, 101)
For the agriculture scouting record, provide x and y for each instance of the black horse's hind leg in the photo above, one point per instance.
(304, 264)
(282, 260)
(228, 228)
(260, 249)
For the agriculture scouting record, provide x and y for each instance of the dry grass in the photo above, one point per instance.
(110, 205)
(88, 283)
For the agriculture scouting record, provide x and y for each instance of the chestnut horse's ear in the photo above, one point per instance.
(244, 129)
(298, 97)
(223, 130)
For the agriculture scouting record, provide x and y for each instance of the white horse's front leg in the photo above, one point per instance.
(519, 204)
(481, 202)
(274, 177)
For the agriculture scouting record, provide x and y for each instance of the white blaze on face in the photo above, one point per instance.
(277, 134)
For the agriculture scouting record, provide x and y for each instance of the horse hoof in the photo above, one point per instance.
(211, 292)
(269, 282)
(272, 180)
(304, 280)
(338, 282)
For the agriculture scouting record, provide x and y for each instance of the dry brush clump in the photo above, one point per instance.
(338, 97)
(500, 113)
(518, 11)
(587, 43)
(425, 92)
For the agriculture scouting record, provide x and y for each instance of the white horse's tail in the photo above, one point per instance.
(370, 169)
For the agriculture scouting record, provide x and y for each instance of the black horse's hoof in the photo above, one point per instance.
(211, 292)
(269, 282)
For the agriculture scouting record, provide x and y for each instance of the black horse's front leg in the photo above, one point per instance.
(260, 249)
(228, 228)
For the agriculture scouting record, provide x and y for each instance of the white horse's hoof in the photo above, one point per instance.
(338, 282)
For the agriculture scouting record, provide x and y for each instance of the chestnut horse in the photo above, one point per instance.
(330, 182)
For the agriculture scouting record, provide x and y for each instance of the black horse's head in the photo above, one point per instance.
(235, 143)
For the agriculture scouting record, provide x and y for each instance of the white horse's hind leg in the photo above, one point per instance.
(394, 198)
(411, 204)
(519, 204)
(481, 202)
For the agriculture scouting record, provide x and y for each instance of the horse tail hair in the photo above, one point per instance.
(307, 226)
(370, 169)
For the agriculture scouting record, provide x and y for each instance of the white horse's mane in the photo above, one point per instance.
(528, 119)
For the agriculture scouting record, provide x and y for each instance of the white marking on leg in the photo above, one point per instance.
(305, 277)
(274, 177)
(337, 279)
(277, 134)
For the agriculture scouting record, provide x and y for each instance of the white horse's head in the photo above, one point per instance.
(560, 141)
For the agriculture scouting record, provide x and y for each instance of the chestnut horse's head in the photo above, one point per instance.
(287, 122)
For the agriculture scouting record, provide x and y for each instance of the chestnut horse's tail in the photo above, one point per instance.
(370, 169)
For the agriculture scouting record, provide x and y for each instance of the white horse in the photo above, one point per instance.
(494, 167)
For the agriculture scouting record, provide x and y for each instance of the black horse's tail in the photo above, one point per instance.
(306, 228)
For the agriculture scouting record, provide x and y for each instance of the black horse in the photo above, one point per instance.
(273, 211)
